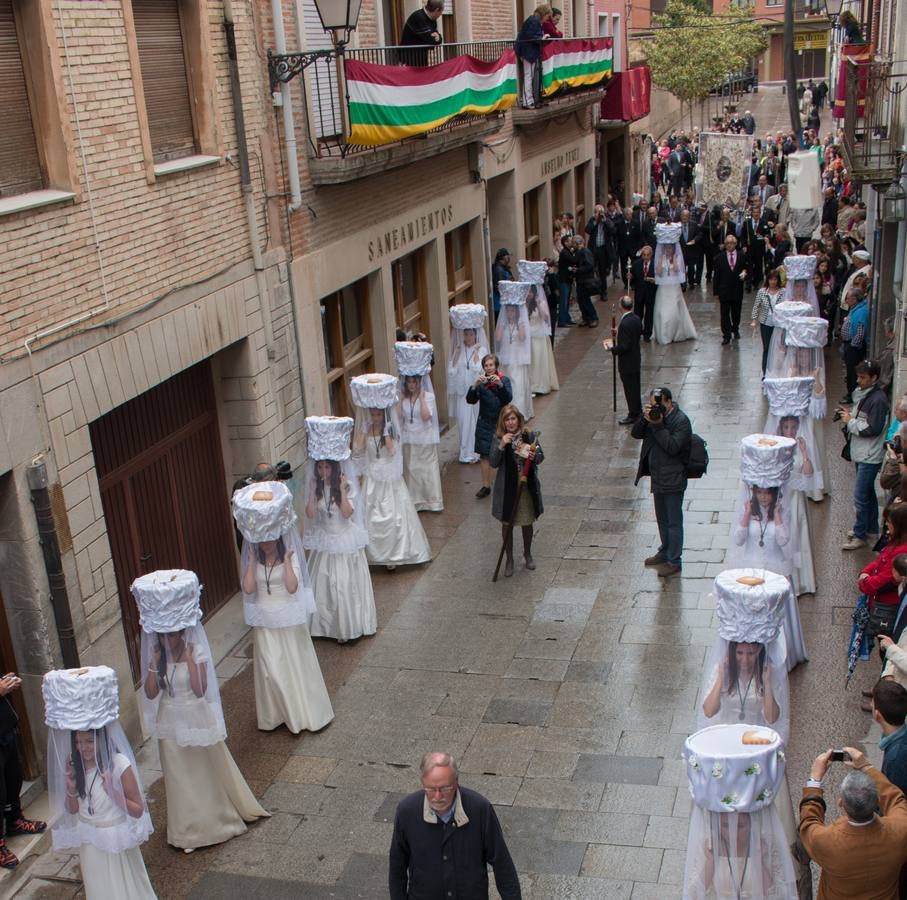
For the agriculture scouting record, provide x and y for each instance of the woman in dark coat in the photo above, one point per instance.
(510, 450)
(492, 391)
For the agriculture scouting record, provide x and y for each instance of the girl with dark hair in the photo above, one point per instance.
(762, 532)
(743, 688)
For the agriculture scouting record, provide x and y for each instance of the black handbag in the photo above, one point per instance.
(845, 450)
(881, 619)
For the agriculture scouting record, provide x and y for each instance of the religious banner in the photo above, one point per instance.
(389, 103)
(723, 171)
(579, 62)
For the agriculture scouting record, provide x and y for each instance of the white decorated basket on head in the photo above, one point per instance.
(806, 331)
(467, 315)
(750, 604)
(532, 271)
(787, 310)
(514, 293)
(374, 391)
(413, 357)
(329, 437)
(789, 396)
(800, 267)
(82, 699)
(264, 511)
(667, 232)
(727, 773)
(168, 600)
(766, 460)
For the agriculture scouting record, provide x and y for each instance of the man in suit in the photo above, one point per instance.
(644, 288)
(763, 190)
(719, 229)
(754, 235)
(648, 229)
(691, 243)
(599, 230)
(629, 359)
(727, 284)
(626, 246)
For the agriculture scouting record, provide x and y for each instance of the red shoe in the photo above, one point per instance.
(25, 826)
(8, 859)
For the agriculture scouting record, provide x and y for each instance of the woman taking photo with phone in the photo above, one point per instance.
(492, 391)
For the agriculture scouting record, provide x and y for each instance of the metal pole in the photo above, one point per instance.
(790, 70)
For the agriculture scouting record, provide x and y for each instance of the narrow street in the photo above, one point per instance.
(565, 693)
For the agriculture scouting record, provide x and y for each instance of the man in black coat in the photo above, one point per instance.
(830, 208)
(599, 237)
(727, 285)
(691, 238)
(626, 244)
(566, 272)
(629, 359)
(420, 33)
(644, 288)
(445, 837)
(754, 236)
(586, 283)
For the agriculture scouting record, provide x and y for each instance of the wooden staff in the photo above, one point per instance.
(524, 477)
(614, 362)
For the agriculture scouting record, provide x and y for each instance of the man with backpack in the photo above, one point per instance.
(666, 435)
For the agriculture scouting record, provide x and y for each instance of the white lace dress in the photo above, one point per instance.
(671, 321)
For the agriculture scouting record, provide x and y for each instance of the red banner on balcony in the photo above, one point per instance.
(861, 54)
(628, 97)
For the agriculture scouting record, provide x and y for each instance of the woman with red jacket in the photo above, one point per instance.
(876, 580)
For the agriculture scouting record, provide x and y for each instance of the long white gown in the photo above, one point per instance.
(341, 582)
(671, 321)
(520, 387)
(542, 370)
(106, 875)
(289, 686)
(208, 800)
(803, 576)
(395, 534)
(460, 378)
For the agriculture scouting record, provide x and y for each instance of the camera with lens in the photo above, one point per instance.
(657, 409)
(837, 416)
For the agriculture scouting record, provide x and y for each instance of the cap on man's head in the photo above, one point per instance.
(862, 254)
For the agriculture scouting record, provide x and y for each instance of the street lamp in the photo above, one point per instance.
(833, 10)
(340, 17)
(894, 203)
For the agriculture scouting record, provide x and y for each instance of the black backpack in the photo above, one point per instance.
(698, 458)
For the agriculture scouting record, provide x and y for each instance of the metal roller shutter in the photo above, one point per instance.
(20, 166)
(164, 78)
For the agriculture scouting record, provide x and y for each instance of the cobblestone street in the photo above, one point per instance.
(565, 693)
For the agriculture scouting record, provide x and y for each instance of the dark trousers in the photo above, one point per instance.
(632, 382)
(766, 340)
(10, 780)
(645, 309)
(584, 299)
(624, 269)
(694, 270)
(755, 263)
(669, 515)
(709, 262)
(730, 315)
(852, 356)
(563, 307)
(602, 258)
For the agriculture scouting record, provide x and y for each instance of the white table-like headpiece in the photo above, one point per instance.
(726, 775)
(80, 699)
(800, 267)
(750, 604)
(789, 396)
(766, 460)
(413, 357)
(532, 271)
(264, 511)
(787, 310)
(513, 293)
(329, 437)
(806, 331)
(667, 232)
(374, 391)
(168, 600)
(467, 315)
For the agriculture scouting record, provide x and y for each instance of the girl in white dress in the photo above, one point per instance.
(513, 343)
(395, 534)
(542, 370)
(208, 800)
(671, 321)
(95, 792)
(467, 349)
(278, 602)
(419, 425)
(335, 535)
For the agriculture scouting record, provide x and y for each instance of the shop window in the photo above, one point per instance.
(347, 342)
(531, 231)
(410, 309)
(459, 265)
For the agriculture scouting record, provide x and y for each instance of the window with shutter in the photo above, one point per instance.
(20, 167)
(165, 79)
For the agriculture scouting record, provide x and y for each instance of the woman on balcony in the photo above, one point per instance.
(528, 48)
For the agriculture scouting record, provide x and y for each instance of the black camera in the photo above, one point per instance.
(837, 416)
(657, 409)
(839, 756)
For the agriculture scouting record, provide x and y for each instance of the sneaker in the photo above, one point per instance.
(8, 859)
(854, 543)
(655, 560)
(21, 825)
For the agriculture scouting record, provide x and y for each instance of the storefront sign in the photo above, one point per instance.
(392, 240)
(554, 164)
(811, 40)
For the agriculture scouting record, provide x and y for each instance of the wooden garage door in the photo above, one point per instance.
(164, 493)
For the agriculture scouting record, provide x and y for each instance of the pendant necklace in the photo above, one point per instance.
(377, 442)
(746, 694)
(763, 529)
(511, 331)
(268, 571)
(91, 788)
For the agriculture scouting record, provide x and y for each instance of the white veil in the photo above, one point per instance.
(669, 264)
(376, 437)
(776, 364)
(417, 393)
(537, 307)
(800, 287)
(789, 401)
(512, 336)
(328, 483)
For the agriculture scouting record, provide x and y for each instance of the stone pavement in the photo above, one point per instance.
(565, 693)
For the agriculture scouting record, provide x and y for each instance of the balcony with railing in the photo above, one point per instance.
(377, 108)
(874, 119)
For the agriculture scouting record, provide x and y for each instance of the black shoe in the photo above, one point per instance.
(483, 492)
(627, 420)
(725, 340)
(736, 335)
(648, 340)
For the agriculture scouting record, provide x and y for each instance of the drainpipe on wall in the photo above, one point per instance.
(36, 474)
(286, 104)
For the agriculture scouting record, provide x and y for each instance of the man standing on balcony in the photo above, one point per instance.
(528, 46)
(421, 33)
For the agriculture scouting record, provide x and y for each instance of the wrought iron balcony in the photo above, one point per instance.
(873, 119)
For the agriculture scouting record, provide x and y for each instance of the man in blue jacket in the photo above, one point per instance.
(445, 837)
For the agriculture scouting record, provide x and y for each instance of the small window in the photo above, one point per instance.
(408, 275)
(165, 78)
(347, 342)
(531, 242)
(459, 265)
(20, 164)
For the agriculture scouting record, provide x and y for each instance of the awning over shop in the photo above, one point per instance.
(628, 96)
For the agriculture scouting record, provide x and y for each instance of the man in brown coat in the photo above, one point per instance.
(860, 853)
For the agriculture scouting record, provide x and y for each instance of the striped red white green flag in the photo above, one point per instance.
(575, 63)
(388, 103)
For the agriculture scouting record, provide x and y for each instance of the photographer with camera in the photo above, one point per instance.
(665, 432)
(861, 852)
